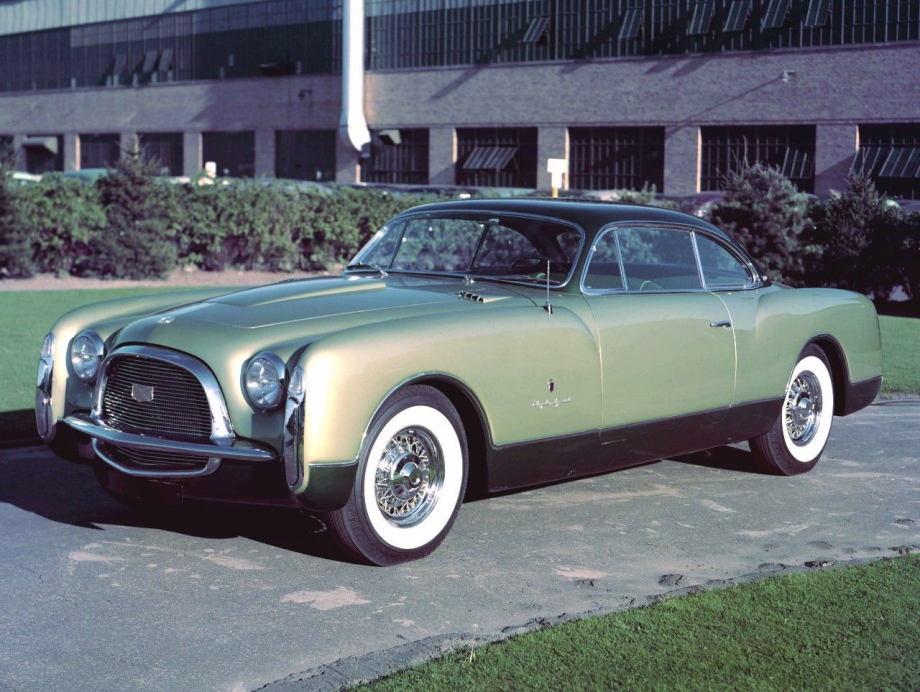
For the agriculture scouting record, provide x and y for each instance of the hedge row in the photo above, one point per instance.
(129, 224)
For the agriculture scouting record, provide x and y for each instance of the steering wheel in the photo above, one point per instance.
(553, 264)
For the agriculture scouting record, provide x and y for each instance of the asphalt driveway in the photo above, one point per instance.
(93, 597)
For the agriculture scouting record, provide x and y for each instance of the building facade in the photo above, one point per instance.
(633, 93)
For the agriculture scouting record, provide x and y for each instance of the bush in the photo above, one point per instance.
(766, 213)
(863, 239)
(15, 245)
(343, 222)
(139, 240)
(910, 266)
(63, 219)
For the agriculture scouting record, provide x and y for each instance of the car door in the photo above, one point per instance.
(667, 346)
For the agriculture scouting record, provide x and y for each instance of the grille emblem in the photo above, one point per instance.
(141, 393)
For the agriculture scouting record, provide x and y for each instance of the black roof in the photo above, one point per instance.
(590, 215)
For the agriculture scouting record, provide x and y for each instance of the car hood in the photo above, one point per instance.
(288, 315)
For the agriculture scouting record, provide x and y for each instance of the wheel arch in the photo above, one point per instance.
(840, 373)
(475, 425)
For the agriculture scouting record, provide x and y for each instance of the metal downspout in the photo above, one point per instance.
(353, 125)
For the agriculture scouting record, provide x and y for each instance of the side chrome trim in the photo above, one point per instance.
(242, 450)
(222, 433)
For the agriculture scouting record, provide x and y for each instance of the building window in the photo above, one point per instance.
(305, 154)
(497, 157)
(99, 151)
(608, 158)
(790, 149)
(398, 157)
(164, 150)
(233, 152)
(890, 156)
(44, 153)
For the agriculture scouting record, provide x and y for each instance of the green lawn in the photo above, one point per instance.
(25, 317)
(900, 354)
(842, 629)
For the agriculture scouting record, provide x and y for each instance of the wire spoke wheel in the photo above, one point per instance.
(409, 477)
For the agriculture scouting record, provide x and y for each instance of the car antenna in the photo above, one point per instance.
(548, 306)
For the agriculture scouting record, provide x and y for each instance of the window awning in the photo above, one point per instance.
(775, 16)
(816, 15)
(868, 160)
(701, 19)
(50, 144)
(737, 15)
(535, 30)
(489, 158)
(632, 23)
(902, 162)
(150, 61)
(165, 60)
(797, 164)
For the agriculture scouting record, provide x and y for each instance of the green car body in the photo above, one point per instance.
(602, 379)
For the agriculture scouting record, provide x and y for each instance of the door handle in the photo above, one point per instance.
(723, 323)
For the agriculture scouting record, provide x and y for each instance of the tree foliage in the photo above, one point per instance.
(765, 212)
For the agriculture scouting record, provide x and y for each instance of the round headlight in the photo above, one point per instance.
(86, 354)
(265, 381)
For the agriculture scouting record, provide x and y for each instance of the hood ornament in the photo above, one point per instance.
(166, 320)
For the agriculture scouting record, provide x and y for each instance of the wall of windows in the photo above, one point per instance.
(284, 37)
(606, 158)
(273, 38)
(497, 156)
(397, 157)
(305, 154)
(791, 149)
(890, 155)
(419, 33)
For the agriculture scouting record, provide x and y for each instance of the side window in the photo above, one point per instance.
(720, 267)
(502, 247)
(658, 259)
(604, 271)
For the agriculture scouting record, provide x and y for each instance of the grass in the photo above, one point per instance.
(853, 628)
(900, 354)
(25, 317)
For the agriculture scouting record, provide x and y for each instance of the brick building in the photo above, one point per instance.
(672, 93)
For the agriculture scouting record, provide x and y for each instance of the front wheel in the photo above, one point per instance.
(411, 478)
(796, 441)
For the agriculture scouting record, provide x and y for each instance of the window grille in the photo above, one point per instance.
(608, 158)
(404, 162)
(726, 150)
(497, 157)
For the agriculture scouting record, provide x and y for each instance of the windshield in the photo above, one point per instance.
(501, 247)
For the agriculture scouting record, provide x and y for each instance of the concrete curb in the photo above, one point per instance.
(347, 673)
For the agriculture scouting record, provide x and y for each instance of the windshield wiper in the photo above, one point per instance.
(360, 266)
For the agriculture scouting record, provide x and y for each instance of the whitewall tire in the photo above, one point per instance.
(796, 441)
(411, 478)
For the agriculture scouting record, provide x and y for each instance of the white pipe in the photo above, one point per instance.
(353, 125)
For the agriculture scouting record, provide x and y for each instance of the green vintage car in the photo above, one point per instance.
(494, 344)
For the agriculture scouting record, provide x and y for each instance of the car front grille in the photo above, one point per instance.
(173, 402)
(152, 460)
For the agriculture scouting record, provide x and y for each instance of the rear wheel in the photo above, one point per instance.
(796, 441)
(411, 478)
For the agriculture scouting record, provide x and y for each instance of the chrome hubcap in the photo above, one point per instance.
(802, 413)
(409, 477)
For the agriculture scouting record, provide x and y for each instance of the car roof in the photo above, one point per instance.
(591, 215)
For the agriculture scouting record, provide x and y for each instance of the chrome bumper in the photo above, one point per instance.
(240, 450)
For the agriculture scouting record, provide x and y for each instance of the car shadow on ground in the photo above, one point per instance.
(36, 482)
